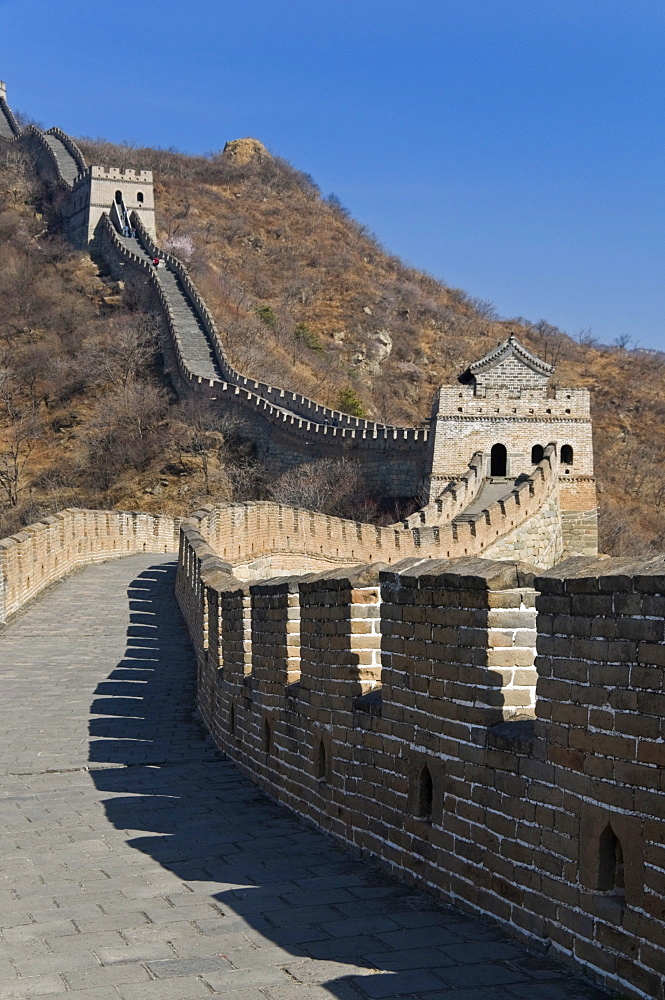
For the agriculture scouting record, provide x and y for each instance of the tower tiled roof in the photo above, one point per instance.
(506, 349)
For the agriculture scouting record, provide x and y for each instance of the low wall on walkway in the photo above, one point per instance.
(52, 548)
(403, 710)
(262, 538)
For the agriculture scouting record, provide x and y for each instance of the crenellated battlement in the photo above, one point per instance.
(121, 174)
(405, 711)
(459, 402)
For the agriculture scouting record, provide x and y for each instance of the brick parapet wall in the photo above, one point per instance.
(543, 543)
(450, 497)
(52, 548)
(519, 399)
(434, 767)
(601, 717)
(270, 538)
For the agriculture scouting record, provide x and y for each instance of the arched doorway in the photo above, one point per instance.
(118, 197)
(498, 460)
(537, 454)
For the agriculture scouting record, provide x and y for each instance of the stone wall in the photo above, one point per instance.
(430, 758)
(393, 459)
(542, 544)
(52, 548)
(464, 423)
(262, 538)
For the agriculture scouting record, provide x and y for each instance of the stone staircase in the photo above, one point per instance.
(6, 123)
(494, 488)
(192, 335)
(67, 165)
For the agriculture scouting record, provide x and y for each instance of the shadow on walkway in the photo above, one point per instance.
(344, 927)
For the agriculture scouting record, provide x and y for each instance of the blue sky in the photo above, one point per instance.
(514, 148)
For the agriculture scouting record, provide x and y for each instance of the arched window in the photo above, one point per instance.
(537, 454)
(321, 762)
(425, 794)
(118, 197)
(139, 196)
(566, 455)
(498, 460)
(267, 736)
(610, 863)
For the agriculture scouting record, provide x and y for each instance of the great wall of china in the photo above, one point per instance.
(434, 692)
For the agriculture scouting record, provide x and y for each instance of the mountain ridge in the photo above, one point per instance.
(307, 299)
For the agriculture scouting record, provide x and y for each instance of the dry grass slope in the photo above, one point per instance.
(306, 298)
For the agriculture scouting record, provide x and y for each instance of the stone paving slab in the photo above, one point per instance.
(137, 864)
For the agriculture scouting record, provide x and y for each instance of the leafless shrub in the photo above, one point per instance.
(331, 486)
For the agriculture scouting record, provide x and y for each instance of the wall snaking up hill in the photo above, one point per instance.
(288, 428)
(260, 538)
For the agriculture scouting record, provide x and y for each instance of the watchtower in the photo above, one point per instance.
(505, 407)
(98, 190)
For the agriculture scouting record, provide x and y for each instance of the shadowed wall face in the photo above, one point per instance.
(434, 763)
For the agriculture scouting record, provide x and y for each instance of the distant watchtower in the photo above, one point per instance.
(98, 190)
(504, 407)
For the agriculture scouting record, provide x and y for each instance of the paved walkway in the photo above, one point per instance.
(135, 863)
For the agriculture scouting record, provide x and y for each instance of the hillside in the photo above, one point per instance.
(305, 298)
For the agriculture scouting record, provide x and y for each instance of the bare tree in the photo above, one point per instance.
(332, 486)
(200, 431)
(20, 441)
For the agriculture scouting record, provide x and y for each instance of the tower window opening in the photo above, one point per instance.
(498, 460)
(566, 455)
(610, 863)
(425, 794)
(537, 454)
(118, 197)
(139, 197)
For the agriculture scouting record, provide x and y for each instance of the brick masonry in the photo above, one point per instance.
(528, 787)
